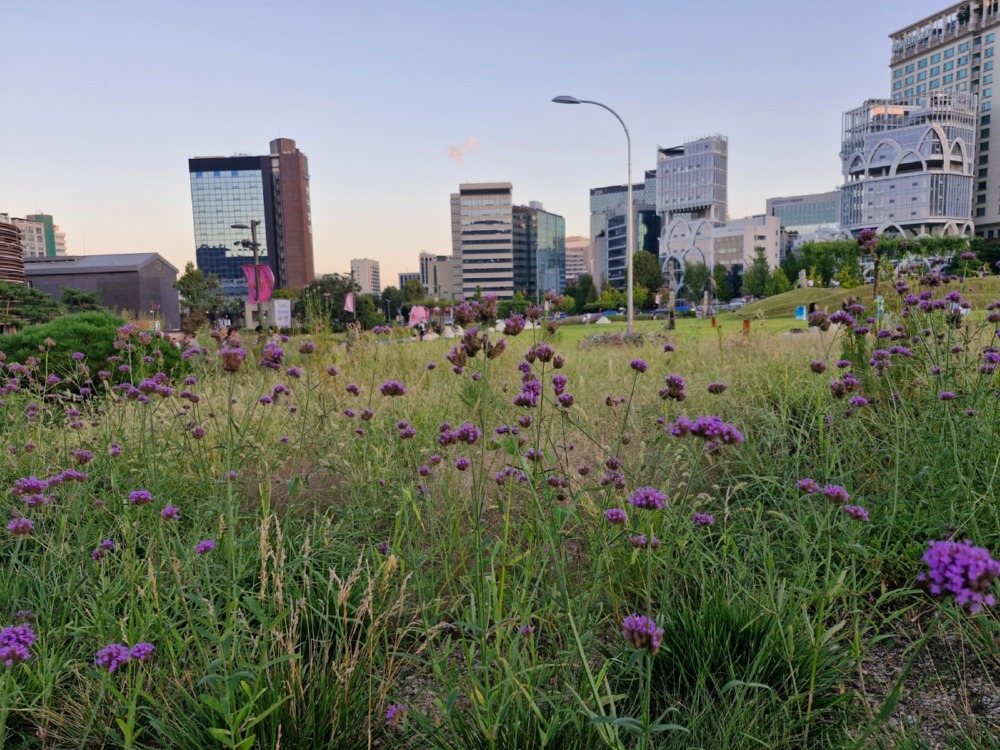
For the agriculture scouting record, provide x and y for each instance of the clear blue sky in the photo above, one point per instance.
(105, 100)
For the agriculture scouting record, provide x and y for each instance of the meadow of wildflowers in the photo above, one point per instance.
(684, 544)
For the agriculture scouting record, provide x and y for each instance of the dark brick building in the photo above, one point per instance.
(131, 284)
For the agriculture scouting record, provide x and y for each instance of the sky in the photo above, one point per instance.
(397, 102)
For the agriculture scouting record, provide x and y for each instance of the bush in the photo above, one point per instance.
(97, 335)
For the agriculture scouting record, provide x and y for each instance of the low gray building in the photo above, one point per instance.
(131, 284)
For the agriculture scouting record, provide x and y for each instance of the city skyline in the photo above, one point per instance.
(393, 120)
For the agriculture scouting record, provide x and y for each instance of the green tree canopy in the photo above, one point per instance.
(646, 271)
(413, 291)
(723, 284)
(200, 292)
(21, 305)
(696, 280)
(777, 283)
(756, 276)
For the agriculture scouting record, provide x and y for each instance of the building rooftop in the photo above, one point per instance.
(109, 263)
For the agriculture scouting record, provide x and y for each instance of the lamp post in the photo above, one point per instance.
(254, 223)
(630, 230)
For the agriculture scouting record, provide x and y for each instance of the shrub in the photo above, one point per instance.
(95, 335)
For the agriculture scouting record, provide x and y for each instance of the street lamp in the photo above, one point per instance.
(254, 223)
(630, 230)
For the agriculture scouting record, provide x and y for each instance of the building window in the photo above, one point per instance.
(980, 212)
(987, 106)
(984, 159)
(988, 65)
(922, 63)
(948, 78)
(908, 93)
(921, 88)
(962, 74)
(949, 53)
(949, 65)
(897, 73)
(909, 80)
(985, 120)
(909, 68)
(963, 47)
(990, 38)
(988, 52)
(922, 75)
(984, 146)
(987, 93)
(897, 85)
(936, 57)
(963, 60)
(935, 70)
(984, 172)
(980, 199)
(935, 83)
(981, 185)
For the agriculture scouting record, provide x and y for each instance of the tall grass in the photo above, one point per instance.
(469, 573)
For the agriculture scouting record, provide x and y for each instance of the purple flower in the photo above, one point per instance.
(393, 388)
(818, 366)
(462, 464)
(703, 519)
(141, 651)
(395, 715)
(648, 497)
(112, 656)
(639, 365)
(431, 365)
(115, 449)
(616, 516)
(856, 512)
(808, 485)
(947, 396)
(15, 644)
(353, 389)
(140, 497)
(293, 372)
(565, 400)
(306, 346)
(639, 541)
(383, 548)
(526, 630)
(835, 493)
(642, 632)
(964, 571)
(232, 358)
(204, 546)
(170, 512)
(21, 526)
(716, 388)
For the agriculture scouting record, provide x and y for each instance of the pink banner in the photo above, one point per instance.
(418, 314)
(266, 283)
(349, 302)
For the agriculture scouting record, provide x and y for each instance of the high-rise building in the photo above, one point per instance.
(40, 237)
(691, 197)
(482, 219)
(539, 251)
(579, 258)
(272, 189)
(610, 200)
(610, 260)
(366, 275)
(907, 165)
(11, 252)
(955, 49)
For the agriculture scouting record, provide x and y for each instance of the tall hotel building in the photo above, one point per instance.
(956, 49)
(272, 189)
(482, 238)
(365, 273)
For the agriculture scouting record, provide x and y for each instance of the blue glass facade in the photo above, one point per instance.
(227, 191)
(539, 251)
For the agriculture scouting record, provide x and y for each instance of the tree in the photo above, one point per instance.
(755, 278)
(79, 301)
(583, 291)
(696, 279)
(413, 291)
(395, 299)
(646, 271)
(200, 292)
(777, 283)
(723, 287)
(21, 305)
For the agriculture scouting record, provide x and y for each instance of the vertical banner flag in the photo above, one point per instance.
(266, 283)
(418, 314)
(659, 300)
(349, 302)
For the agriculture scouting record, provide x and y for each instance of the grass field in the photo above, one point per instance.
(731, 542)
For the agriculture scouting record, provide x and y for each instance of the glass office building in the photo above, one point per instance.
(539, 251)
(806, 213)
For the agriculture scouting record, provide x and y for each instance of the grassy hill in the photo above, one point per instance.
(981, 291)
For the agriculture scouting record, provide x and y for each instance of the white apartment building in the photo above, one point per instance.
(956, 48)
(366, 275)
(482, 238)
(579, 258)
